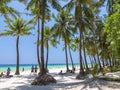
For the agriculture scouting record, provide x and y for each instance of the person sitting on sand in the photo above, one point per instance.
(2, 74)
(8, 73)
(61, 73)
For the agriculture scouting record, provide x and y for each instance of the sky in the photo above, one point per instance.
(27, 46)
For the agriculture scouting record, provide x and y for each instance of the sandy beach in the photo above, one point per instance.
(64, 82)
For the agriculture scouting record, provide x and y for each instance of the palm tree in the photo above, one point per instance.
(63, 29)
(82, 9)
(35, 8)
(47, 40)
(44, 4)
(17, 27)
(49, 78)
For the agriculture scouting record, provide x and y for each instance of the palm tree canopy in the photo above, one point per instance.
(17, 27)
(64, 25)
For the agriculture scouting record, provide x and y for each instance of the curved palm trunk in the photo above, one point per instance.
(91, 62)
(17, 61)
(38, 39)
(94, 59)
(87, 69)
(110, 61)
(71, 59)
(99, 61)
(103, 63)
(47, 57)
(66, 56)
(42, 39)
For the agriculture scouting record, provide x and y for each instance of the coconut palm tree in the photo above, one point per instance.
(49, 39)
(63, 29)
(82, 9)
(17, 27)
(48, 79)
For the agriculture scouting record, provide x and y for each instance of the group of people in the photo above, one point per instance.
(7, 73)
(70, 71)
(34, 69)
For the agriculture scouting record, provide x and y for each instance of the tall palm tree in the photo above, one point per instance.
(63, 29)
(17, 27)
(82, 9)
(35, 7)
(49, 39)
(50, 79)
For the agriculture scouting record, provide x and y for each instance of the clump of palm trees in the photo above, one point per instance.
(78, 24)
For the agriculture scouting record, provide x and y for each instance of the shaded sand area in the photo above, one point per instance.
(64, 82)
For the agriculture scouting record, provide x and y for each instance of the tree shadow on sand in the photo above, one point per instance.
(65, 84)
(99, 84)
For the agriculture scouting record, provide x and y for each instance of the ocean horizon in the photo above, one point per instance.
(3, 67)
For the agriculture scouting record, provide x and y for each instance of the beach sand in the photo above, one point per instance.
(64, 82)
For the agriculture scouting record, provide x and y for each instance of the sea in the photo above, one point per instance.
(3, 67)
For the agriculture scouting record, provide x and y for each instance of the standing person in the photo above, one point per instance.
(36, 69)
(23, 69)
(32, 69)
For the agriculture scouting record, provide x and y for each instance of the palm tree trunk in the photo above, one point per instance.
(66, 56)
(47, 57)
(38, 43)
(91, 62)
(94, 59)
(42, 38)
(71, 59)
(17, 50)
(99, 61)
(103, 63)
(110, 61)
(81, 73)
(87, 69)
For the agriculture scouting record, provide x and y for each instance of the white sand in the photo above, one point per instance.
(64, 82)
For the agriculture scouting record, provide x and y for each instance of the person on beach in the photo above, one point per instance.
(22, 69)
(61, 73)
(32, 69)
(2, 74)
(36, 69)
(8, 71)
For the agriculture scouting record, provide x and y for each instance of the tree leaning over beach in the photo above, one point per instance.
(17, 27)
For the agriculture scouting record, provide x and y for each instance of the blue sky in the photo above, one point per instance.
(27, 45)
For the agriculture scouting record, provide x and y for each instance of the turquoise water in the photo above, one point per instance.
(3, 67)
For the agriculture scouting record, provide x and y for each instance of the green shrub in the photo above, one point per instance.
(115, 68)
(105, 70)
(94, 71)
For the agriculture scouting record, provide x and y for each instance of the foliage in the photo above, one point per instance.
(17, 27)
(112, 28)
(95, 71)
(115, 68)
(105, 70)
